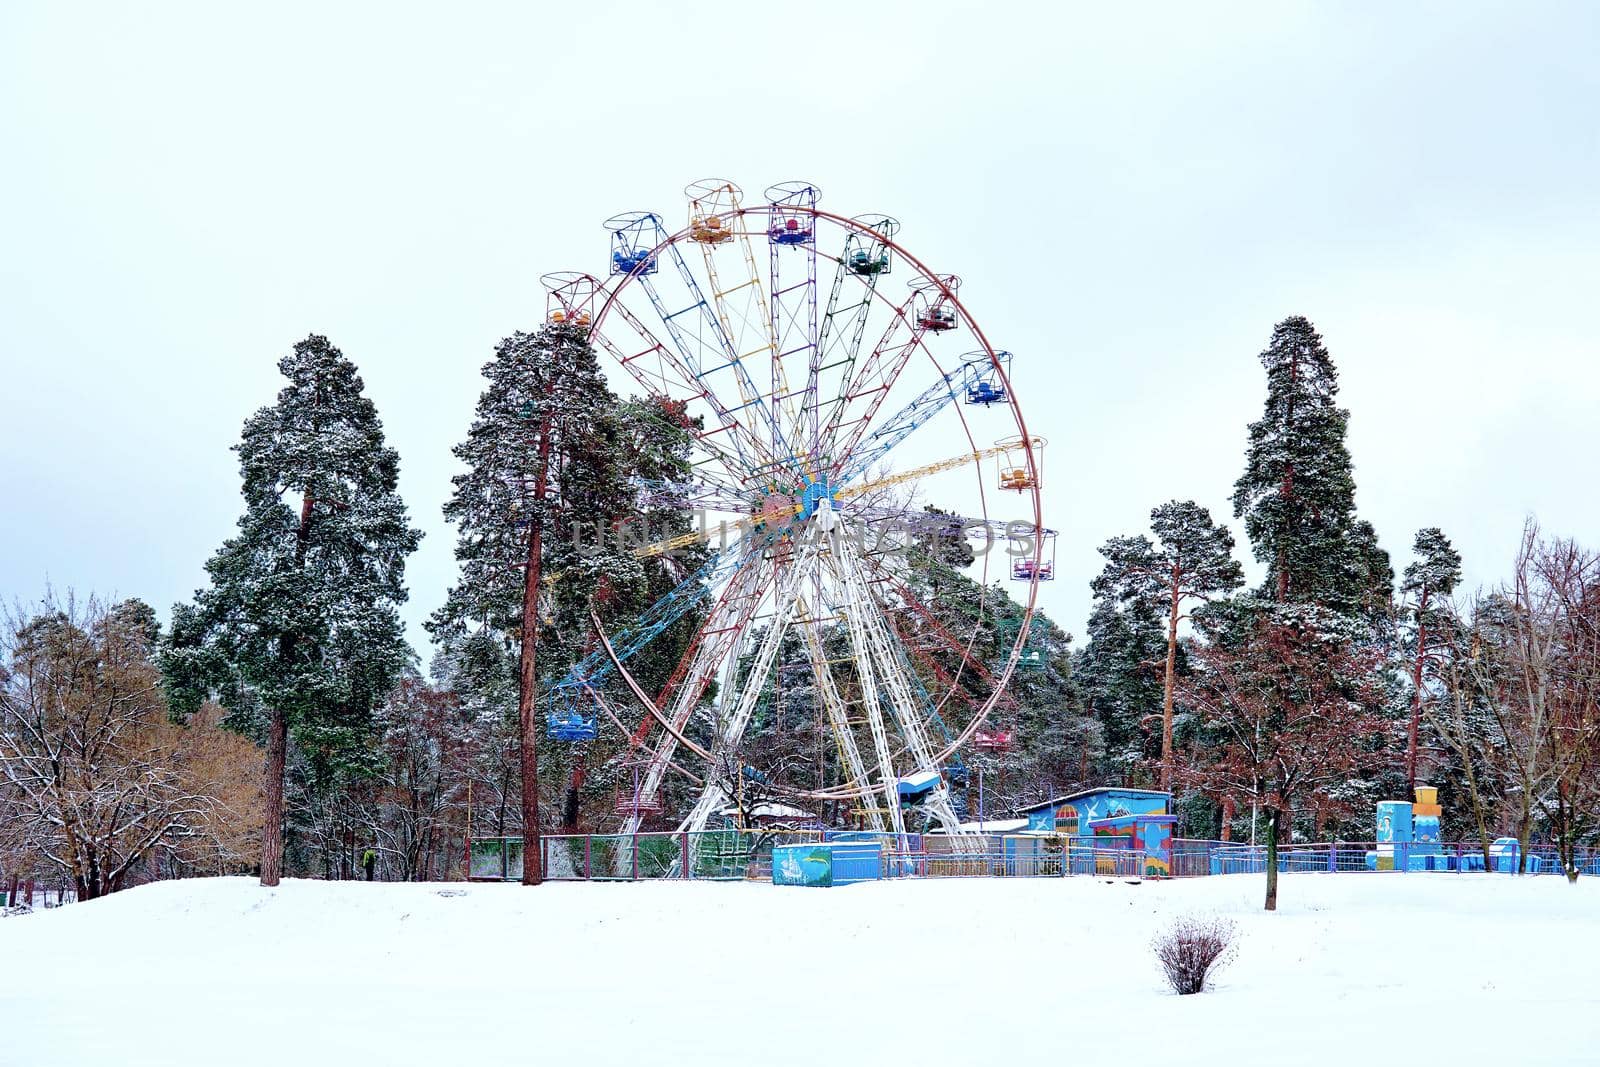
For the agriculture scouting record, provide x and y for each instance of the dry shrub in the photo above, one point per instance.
(1192, 948)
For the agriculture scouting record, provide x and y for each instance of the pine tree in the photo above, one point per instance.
(1116, 674)
(1430, 578)
(546, 515)
(301, 618)
(1191, 560)
(1297, 492)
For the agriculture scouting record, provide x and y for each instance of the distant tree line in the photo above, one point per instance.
(282, 725)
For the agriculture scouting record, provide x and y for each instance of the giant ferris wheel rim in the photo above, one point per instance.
(882, 229)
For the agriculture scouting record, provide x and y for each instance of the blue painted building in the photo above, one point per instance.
(1112, 817)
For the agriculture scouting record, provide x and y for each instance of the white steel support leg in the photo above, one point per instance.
(714, 795)
(873, 707)
(839, 720)
(897, 687)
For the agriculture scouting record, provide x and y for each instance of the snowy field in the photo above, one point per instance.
(1416, 969)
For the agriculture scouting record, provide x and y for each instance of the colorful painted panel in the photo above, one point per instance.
(802, 865)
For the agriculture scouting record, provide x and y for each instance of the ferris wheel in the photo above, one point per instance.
(833, 384)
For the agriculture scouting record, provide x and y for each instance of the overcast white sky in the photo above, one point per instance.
(1132, 201)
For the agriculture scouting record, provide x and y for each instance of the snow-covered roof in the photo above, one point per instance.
(920, 779)
(1090, 792)
(770, 811)
(989, 826)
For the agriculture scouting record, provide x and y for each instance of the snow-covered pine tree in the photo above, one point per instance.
(1190, 560)
(1121, 689)
(542, 448)
(546, 515)
(1430, 578)
(301, 618)
(1297, 492)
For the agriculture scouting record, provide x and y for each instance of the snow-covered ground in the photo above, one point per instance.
(1372, 969)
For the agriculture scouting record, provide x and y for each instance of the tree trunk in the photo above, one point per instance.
(272, 829)
(532, 859)
(278, 734)
(1416, 696)
(1172, 661)
(1272, 860)
(1524, 830)
(1477, 812)
(569, 813)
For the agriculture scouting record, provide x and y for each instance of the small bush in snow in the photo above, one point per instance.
(1191, 948)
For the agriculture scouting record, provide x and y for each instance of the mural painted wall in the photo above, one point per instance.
(1073, 814)
(1150, 833)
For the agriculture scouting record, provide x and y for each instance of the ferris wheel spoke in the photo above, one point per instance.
(941, 639)
(875, 446)
(681, 695)
(594, 668)
(791, 231)
(859, 378)
(727, 438)
(690, 496)
(926, 311)
(794, 331)
(743, 308)
(713, 206)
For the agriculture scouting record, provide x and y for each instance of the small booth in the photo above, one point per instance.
(1109, 819)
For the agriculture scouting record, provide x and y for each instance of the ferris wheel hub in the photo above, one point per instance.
(814, 494)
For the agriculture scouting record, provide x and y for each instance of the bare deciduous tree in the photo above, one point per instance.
(93, 777)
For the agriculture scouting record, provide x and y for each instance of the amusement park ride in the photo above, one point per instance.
(806, 376)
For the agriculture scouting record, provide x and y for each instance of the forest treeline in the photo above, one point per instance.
(281, 724)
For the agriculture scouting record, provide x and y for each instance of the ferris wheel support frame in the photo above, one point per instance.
(871, 634)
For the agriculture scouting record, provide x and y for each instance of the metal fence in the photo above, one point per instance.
(736, 855)
(732, 855)
(1193, 858)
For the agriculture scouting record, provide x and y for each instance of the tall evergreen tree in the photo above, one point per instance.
(542, 449)
(1428, 580)
(1121, 690)
(1297, 492)
(547, 517)
(1191, 560)
(301, 619)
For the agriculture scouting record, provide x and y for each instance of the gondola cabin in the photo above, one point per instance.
(985, 393)
(790, 231)
(709, 230)
(633, 262)
(863, 262)
(996, 740)
(567, 722)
